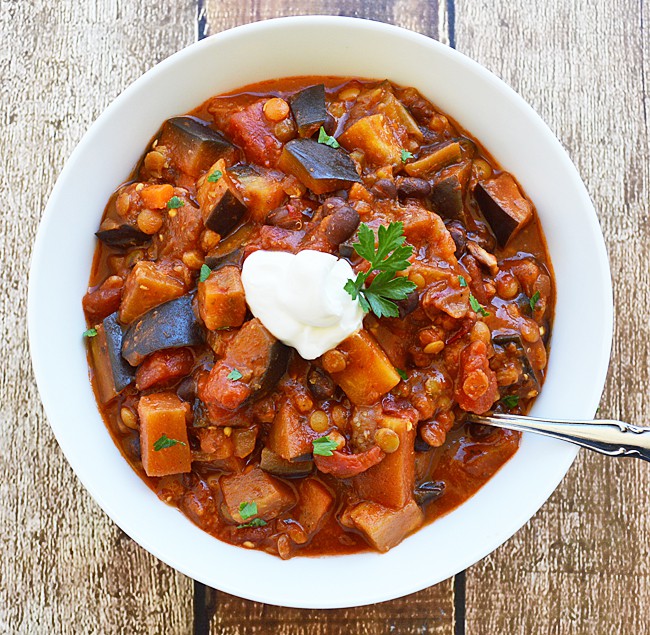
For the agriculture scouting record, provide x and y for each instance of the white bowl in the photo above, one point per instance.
(488, 109)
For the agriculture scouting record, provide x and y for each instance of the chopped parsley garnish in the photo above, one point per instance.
(174, 203)
(406, 155)
(476, 306)
(215, 176)
(461, 281)
(247, 509)
(324, 446)
(256, 522)
(204, 273)
(534, 300)
(234, 374)
(89, 333)
(325, 139)
(402, 373)
(166, 442)
(510, 401)
(390, 256)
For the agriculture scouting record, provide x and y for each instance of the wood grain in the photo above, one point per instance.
(65, 567)
(431, 610)
(581, 565)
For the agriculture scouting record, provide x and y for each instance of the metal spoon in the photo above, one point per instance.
(607, 436)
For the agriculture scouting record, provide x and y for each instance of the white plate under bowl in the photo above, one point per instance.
(488, 109)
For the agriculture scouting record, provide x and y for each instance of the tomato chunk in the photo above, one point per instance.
(476, 387)
(348, 465)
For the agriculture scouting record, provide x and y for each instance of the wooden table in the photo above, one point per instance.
(580, 565)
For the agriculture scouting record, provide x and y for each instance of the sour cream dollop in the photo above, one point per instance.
(300, 298)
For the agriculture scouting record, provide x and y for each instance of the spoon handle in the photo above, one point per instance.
(607, 436)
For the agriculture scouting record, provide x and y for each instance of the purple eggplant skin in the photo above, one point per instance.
(234, 258)
(123, 236)
(309, 109)
(194, 144)
(273, 464)
(226, 214)
(123, 373)
(169, 325)
(507, 338)
(447, 197)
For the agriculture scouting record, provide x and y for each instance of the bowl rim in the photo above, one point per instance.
(131, 526)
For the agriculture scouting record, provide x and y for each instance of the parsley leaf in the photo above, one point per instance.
(215, 176)
(204, 273)
(89, 333)
(165, 442)
(534, 300)
(510, 401)
(402, 373)
(476, 306)
(234, 374)
(247, 509)
(461, 281)
(406, 155)
(387, 258)
(325, 139)
(174, 203)
(324, 446)
(256, 522)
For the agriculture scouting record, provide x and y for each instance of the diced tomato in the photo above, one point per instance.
(476, 386)
(348, 465)
(163, 368)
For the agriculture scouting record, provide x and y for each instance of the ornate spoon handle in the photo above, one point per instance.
(607, 436)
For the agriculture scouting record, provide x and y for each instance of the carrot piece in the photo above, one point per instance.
(156, 196)
(162, 422)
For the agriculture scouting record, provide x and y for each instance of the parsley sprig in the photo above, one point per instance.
(324, 446)
(326, 139)
(390, 256)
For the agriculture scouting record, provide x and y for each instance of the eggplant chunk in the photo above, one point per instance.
(169, 325)
(274, 464)
(193, 145)
(112, 373)
(321, 168)
(221, 206)
(230, 251)
(123, 236)
(384, 528)
(259, 188)
(253, 363)
(503, 206)
(309, 109)
(447, 197)
(376, 137)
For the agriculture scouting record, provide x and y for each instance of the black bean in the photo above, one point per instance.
(459, 235)
(286, 218)
(412, 187)
(384, 188)
(429, 491)
(320, 384)
(340, 225)
(409, 304)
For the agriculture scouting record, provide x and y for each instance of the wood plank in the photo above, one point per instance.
(66, 568)
(580, 566)
(432, 610)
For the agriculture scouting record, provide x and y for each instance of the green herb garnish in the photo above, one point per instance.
(215, 176)
(256, 522)
(89, 333)
(476, 306)
(324, 446)
(234, 374)
(462, 282)
(247, 509)
(166, 442)
(534, 300)
(510, 401)
(406, 155)
(325, 139)
(174, 203)
(204, 273)
(390, 256)
(402, 373)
